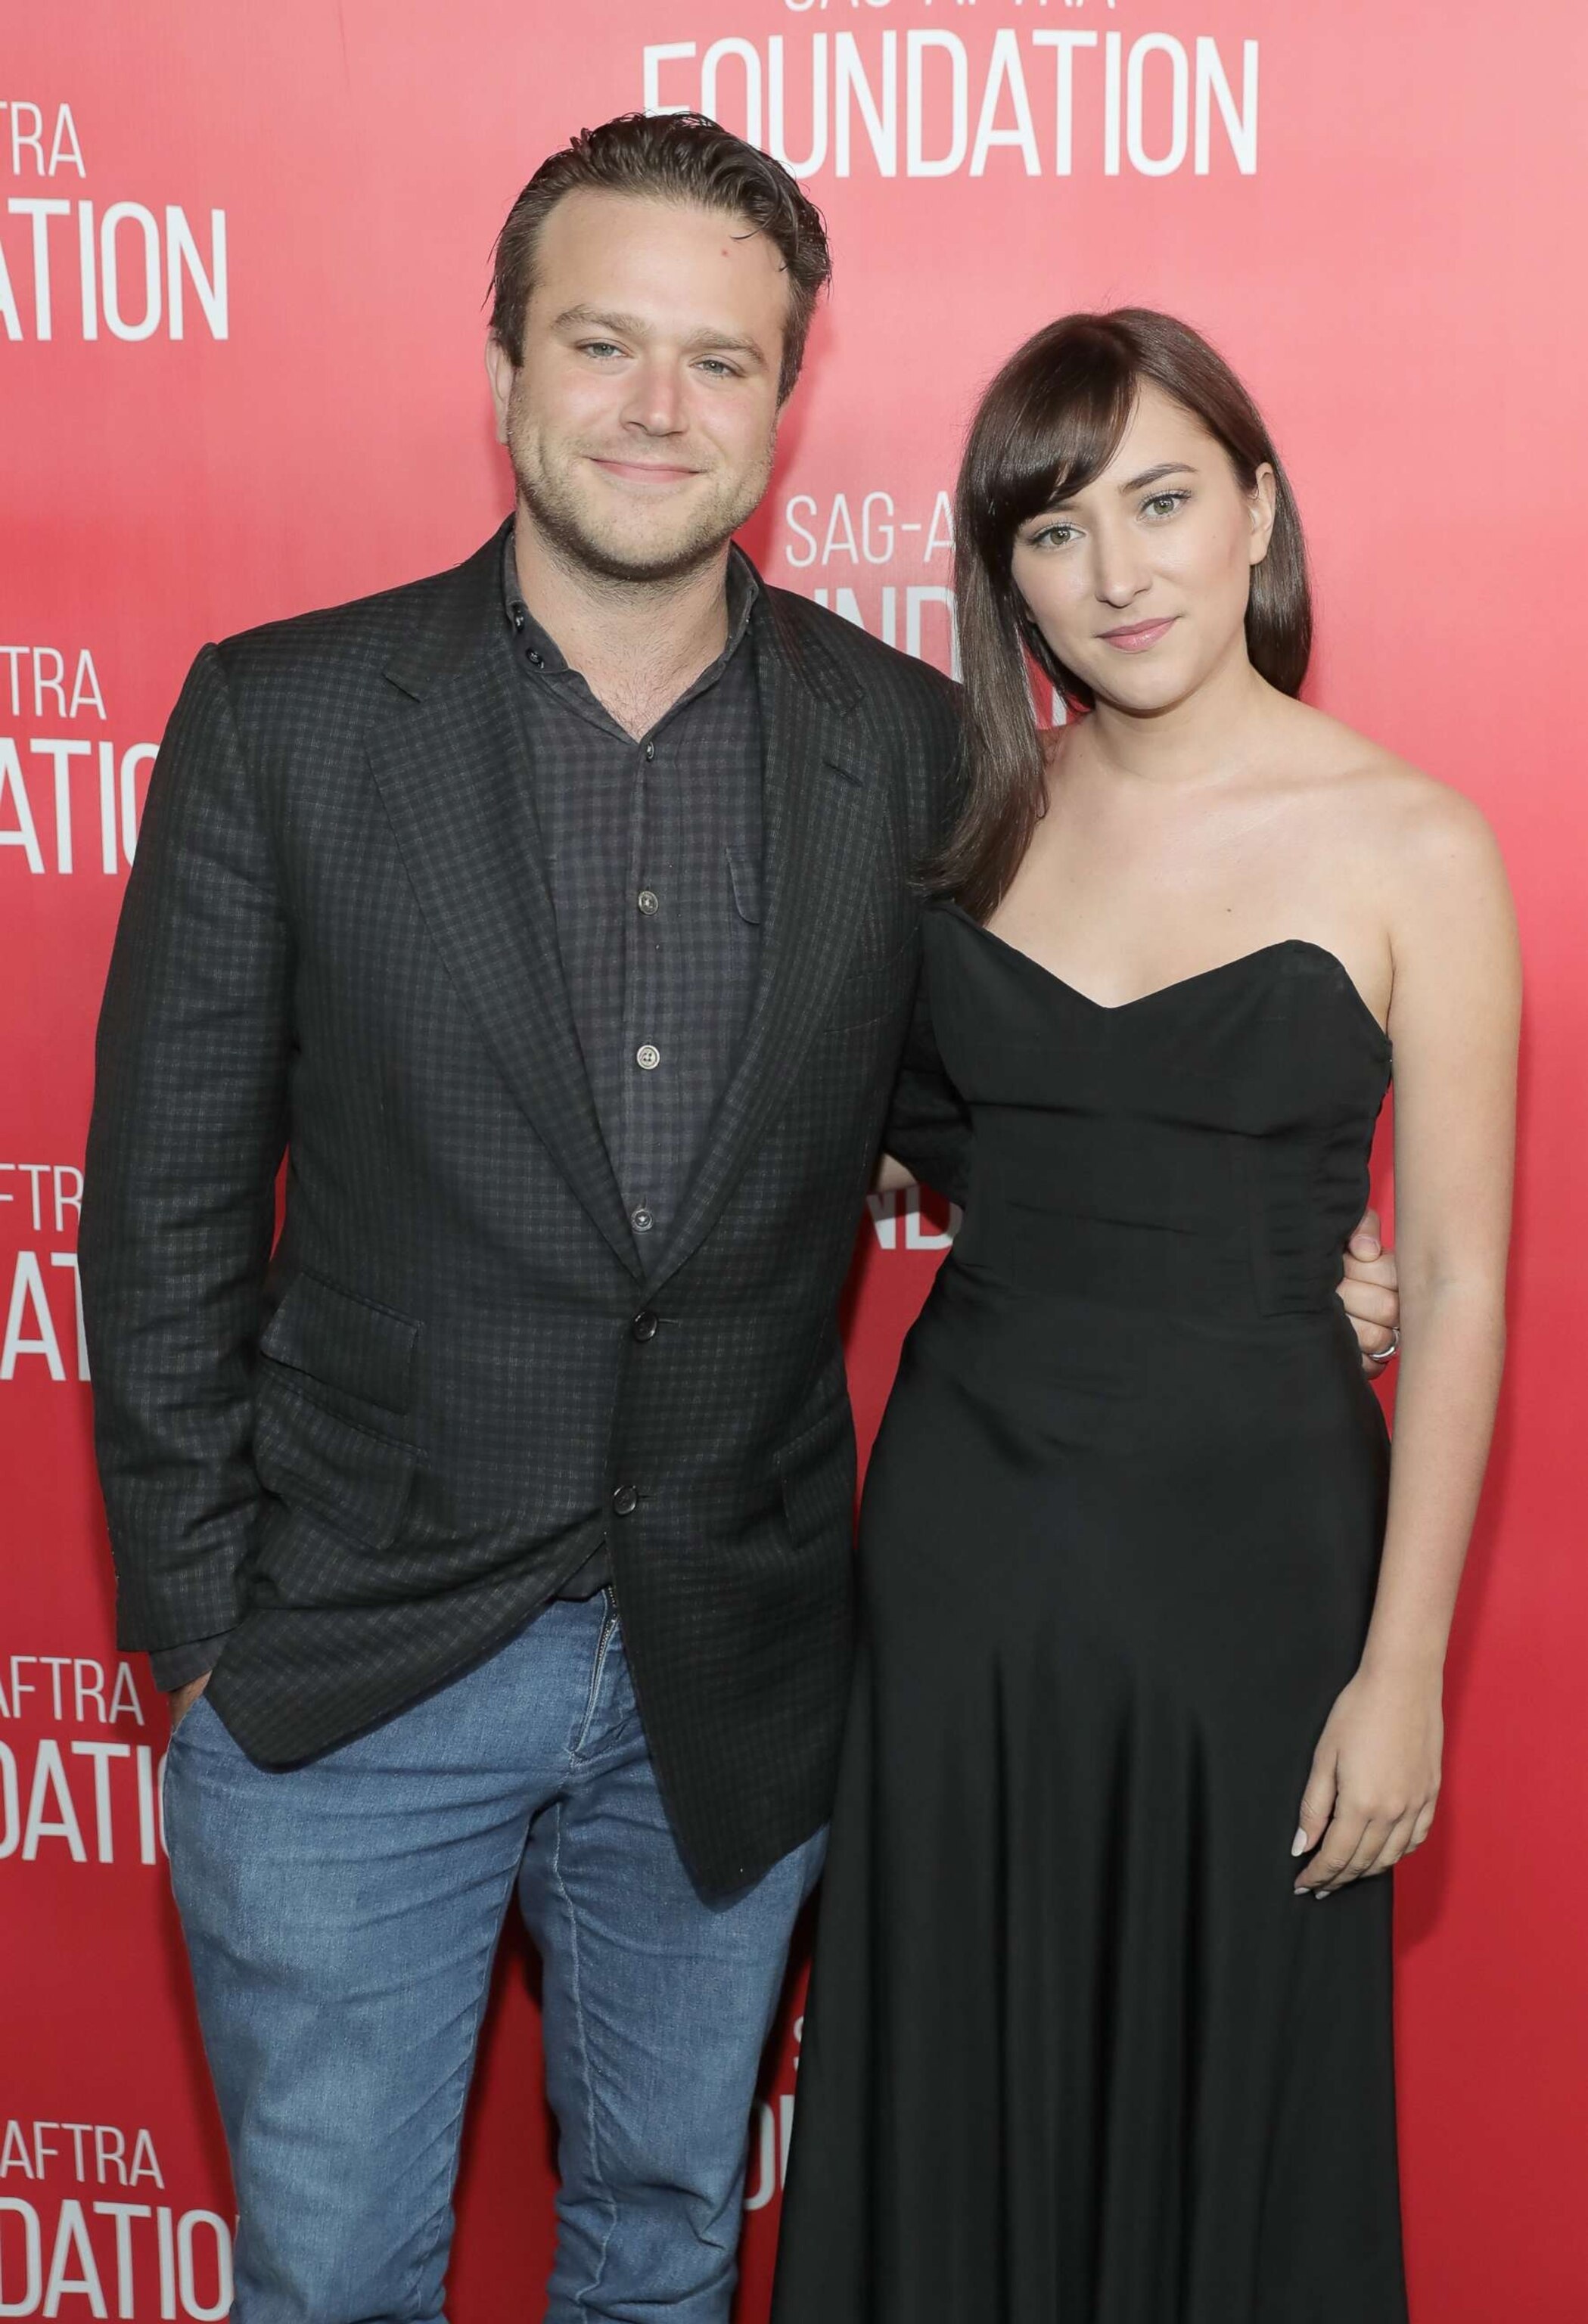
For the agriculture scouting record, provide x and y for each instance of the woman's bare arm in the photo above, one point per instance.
(891, 1175)
(1454, 1019)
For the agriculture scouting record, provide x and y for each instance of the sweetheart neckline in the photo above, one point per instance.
(1179, 983)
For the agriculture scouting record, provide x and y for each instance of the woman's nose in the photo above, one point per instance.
(1119, 571)
(1119, 577)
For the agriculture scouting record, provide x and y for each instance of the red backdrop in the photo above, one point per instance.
(244, 256)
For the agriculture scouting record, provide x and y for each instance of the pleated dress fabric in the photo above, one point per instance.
(1075, 2051)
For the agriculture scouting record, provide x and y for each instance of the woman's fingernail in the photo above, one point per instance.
(1320, 1893)
(1298, 1845)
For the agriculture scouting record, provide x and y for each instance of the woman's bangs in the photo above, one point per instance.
(1072, 418)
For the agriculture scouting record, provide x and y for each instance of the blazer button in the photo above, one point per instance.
(644, 1327)
(625, 1500)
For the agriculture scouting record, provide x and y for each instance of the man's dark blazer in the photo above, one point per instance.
(370, 1454)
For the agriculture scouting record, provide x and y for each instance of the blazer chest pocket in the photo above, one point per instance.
(324, 1348)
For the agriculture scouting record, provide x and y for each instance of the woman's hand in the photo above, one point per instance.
(1369, 1799)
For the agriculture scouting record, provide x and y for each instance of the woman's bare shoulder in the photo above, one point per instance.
(1397, 812)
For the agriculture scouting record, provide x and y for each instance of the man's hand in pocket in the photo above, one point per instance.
(181, 1699)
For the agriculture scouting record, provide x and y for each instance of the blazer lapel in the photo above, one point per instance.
(449, 760)
(820, 803)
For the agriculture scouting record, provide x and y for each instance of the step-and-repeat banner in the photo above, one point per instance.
(243, 257)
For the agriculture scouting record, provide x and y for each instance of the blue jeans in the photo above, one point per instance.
(341, 1919)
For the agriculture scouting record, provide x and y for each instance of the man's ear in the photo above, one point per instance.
(502, 371)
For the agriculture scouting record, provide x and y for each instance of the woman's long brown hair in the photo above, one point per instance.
(1047, 428)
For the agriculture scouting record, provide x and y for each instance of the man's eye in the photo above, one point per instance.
(722, 369)
(598, 347)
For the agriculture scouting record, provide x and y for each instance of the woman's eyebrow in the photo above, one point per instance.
(1132, 485)
(1152, 475)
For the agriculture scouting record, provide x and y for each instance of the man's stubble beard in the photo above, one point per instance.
(566, 532)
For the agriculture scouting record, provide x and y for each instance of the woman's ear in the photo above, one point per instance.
(1263, 501)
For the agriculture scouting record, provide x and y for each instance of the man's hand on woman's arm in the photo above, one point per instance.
(1370, 1293)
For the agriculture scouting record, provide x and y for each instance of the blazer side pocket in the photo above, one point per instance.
(318, 1461)
(816, 1473)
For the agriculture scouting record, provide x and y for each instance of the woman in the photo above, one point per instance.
(1153, 1632)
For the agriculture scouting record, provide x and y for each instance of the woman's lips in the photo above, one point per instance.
(1140, 635)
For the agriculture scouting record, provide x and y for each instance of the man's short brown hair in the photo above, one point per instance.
(678, 157)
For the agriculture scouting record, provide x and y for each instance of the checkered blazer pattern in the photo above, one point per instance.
(368, 1450)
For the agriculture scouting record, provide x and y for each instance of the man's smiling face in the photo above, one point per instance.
(642, 420)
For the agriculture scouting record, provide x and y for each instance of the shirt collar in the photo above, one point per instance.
(743, 588)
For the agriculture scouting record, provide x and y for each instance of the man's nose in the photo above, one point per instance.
(655, 403)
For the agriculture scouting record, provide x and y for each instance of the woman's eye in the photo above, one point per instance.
(1053, 536)
(1165, 503)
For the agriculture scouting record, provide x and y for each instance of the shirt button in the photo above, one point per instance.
(644, 1327)
(642, 1220)
(535, 658)
(651, 749)
(647, 1058)
(625, 1500)
(648, 901)
(518, 618)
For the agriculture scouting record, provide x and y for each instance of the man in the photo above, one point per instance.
(491, 1533)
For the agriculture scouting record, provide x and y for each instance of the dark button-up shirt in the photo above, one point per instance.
(652, 854)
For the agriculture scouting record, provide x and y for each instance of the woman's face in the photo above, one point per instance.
(1139, 583)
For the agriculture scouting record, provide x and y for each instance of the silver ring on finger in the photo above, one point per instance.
(1385, 1354)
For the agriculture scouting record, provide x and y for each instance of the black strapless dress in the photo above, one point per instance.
(1075, 2053)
